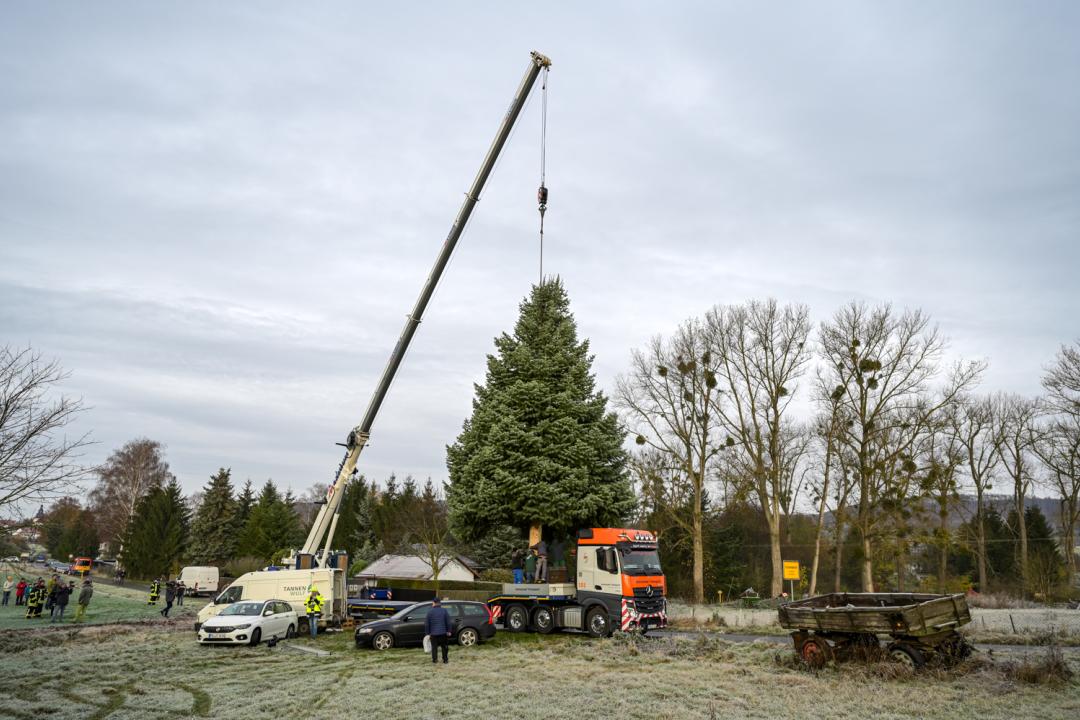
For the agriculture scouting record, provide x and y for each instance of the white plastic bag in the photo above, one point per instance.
(427, 643)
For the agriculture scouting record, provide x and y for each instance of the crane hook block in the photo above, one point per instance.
(542, 197)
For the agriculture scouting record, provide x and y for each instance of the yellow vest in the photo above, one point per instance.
(314, 603)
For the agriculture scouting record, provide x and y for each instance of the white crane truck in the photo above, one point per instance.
(309, 565)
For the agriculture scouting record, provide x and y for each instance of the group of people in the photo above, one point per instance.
(174, 593)
(531, 565)
(52, 595)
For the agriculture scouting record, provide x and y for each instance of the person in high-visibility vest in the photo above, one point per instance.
(155, 590)
(35, 599)
(313, 605)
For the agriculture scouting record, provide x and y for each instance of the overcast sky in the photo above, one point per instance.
(218, 217)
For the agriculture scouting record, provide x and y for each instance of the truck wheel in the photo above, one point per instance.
(302, 626)
(597, 622)
(544, 620)
(517, 619)
(908, 655)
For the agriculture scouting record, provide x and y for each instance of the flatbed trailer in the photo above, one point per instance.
(843, 626)
(362, 610)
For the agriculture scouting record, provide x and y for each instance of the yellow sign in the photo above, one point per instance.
(791, 569)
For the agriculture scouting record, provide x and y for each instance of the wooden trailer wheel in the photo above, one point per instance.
(815, 652)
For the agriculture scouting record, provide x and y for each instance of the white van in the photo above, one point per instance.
(199, 580)
(289, 585)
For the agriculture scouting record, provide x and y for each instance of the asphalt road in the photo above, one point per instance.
(784, 640)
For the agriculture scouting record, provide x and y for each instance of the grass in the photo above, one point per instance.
(143, 671)
(110, 604)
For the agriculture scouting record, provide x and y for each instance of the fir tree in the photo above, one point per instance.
(214, 535)
(271, 527)
(355, 533)
(156, 539)
(540, 446)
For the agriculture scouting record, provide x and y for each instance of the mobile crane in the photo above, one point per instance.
(324, 570)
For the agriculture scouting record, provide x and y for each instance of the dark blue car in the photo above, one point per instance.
(472, 624)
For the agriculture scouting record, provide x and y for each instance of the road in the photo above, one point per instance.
(784, 640)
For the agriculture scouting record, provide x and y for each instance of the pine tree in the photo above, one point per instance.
(157, 536)
(213, 531)
(540, 446)
(355, 533)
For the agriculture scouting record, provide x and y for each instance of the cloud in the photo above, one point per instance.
(218, 218)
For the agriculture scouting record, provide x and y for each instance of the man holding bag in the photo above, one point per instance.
(437, 627)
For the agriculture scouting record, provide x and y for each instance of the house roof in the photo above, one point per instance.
(407, 566)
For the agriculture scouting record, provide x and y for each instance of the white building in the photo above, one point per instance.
(413, 567)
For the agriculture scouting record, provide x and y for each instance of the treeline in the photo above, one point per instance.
(138, 512)
(728, 454)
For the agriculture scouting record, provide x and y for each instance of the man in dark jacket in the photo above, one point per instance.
(63, 594)
(170, 595)
(437, 625)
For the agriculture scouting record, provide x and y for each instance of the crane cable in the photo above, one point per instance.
(542, 192)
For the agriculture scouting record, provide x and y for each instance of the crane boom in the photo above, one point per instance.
(358, 437)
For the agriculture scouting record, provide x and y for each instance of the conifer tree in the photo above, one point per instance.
(271, 526)
(213, 531)
(541, 446)
(157, 536)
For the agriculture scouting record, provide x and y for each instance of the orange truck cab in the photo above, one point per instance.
(82, 565)
(618, 585)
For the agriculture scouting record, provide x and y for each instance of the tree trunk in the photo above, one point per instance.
(820, 521)
(699, 555)
(838, 570)
(867, 562)
(980, 515)
(899, 567)
(777, 559)
(1021, 523)
(943, 557)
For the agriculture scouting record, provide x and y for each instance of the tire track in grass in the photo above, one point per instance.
(201, 701)
(335, 687)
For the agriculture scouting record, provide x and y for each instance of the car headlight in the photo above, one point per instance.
(364, 631)
(245, 626)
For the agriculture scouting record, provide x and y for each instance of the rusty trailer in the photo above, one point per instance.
(841, 626)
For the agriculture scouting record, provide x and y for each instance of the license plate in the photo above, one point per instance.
(215, 636)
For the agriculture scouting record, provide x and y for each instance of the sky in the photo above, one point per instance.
(216, 216)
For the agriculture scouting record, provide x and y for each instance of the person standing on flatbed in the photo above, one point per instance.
(530, 567)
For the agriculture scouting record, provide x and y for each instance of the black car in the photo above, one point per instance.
(472, 622)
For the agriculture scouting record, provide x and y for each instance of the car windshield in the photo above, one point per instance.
(641, 562)
(243, 608)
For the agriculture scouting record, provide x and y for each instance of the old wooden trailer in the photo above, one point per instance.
(848, 625)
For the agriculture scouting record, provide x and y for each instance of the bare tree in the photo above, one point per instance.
(668, 399)
(823, 436)
(427, 534)
(882, 365)
(127, 476)
(1016, 435)
(944, 456)
(761, 353)
(1058, 444)
(973, 426)
(37, 460)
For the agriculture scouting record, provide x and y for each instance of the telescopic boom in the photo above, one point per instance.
(357, 439)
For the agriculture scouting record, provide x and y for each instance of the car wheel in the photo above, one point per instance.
(517, 619)
(382, 641)
(256, 636)
(544, 620)
(468, 637)
(291, 632)
(597, 623)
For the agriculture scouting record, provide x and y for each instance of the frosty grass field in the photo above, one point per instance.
(140, 671)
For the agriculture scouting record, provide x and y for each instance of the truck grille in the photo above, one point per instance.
(644, 602)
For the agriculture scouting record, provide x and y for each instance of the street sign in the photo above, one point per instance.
(791, 569)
